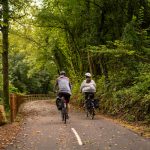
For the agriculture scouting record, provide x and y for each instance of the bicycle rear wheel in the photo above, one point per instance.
(64, 115)
(92, 113)
(87, 112)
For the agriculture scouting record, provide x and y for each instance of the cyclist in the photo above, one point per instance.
(64, 87)
(88, 86)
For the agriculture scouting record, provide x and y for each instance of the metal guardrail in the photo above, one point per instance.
(32, 97)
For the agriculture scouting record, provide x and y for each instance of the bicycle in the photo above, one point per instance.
(62, 106)
(90, 107)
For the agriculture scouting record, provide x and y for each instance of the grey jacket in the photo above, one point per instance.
(63, 84)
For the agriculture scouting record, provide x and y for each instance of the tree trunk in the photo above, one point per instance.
(90, 63)
(5, 28)
(104, 69)
(87, 2)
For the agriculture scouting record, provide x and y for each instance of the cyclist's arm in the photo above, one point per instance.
(56, 85)
(82, 86)
(70, 85)
(94, 83)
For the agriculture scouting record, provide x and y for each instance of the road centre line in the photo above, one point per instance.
(77, 136)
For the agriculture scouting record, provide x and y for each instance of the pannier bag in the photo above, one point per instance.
(58, 103)
(96, 103)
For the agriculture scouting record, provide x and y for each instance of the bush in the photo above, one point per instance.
(132, 102)
(76, 97)
(13, 89)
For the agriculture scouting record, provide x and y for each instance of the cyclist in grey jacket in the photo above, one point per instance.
(64, 87)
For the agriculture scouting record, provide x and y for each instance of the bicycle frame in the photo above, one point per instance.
(90, 110)
(64, 109)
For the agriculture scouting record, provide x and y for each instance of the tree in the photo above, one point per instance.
(5, 47)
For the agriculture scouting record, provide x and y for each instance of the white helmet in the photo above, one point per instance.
(88, 74)
(62, 73)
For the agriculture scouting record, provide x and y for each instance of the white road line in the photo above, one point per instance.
(77, 136)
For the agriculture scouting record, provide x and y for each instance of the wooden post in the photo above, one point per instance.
(12, 107)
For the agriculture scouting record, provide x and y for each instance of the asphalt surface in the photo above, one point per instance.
(44, 130)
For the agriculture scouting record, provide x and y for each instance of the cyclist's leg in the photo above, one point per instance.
(60, 94)
(67, 98)
(86, 98)
(90, 95)
(92, 98)
(86, 95)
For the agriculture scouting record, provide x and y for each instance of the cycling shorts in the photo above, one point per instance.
(89, 93)
(65, 95)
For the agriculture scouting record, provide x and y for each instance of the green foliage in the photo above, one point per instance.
(130, 36)
(108, 38)
(111, 40)
(22, 78)
(132, 102)
(101, 86)
(13, 89)
(77, 97)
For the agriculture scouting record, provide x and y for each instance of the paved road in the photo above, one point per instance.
(43, 130)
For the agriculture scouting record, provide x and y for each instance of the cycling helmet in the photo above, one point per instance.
(62, 73)
(88, 74)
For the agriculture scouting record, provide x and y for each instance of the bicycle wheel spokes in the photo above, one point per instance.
(87, 112)
(91, 112)
(64, 113)
(89, 109)
(65, 118)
